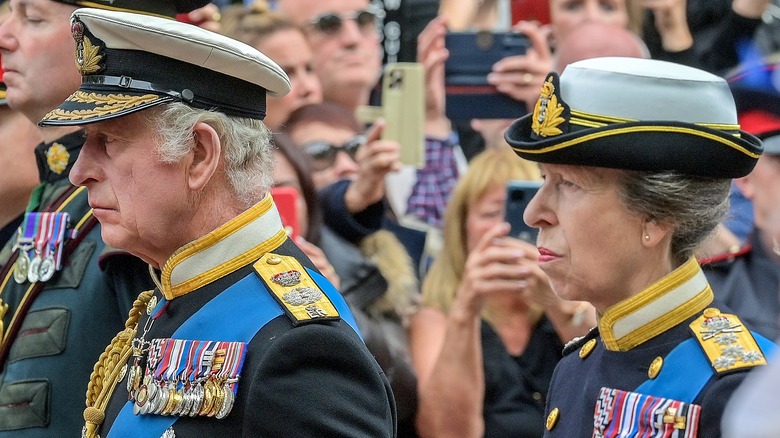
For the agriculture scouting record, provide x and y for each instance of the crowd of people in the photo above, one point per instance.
(202, 234)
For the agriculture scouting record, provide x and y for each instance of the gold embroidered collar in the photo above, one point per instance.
(237, 243)
(668, 302)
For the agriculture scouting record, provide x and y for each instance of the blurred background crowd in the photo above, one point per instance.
(451, 303)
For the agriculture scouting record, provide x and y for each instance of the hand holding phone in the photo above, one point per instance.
(518, 194)
(375, 159)
(472, 55)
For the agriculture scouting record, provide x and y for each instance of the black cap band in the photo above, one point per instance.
(208, 89)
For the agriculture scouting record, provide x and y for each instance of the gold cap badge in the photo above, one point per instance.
(87, 54)
(548, 110)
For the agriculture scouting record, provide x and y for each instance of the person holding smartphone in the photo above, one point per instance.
(490, 329)
(374, 274)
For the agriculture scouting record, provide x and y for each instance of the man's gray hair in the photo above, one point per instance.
(247, 146)
(694, 206)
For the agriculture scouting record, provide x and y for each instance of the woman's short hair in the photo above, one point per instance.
(491, 168)
(246, 146)
(693, 206)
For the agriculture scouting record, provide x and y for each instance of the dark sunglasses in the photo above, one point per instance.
(323, 154)
(330, 23)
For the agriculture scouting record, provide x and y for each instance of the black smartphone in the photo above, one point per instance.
(518, 195)
(472, 55)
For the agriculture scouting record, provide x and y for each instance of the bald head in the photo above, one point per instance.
(593, 40)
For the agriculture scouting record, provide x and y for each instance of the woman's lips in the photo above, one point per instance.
(546, 255)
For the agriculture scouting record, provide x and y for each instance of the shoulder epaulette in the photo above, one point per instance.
(294, 289)
(580, 341)
(726, 257)
(728, 344)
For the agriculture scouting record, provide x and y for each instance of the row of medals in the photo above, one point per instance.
(35, 270)
(210, 397)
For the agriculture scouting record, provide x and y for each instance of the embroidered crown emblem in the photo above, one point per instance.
(88, 55)
(287, 279)
(548, 110)
(57, 158)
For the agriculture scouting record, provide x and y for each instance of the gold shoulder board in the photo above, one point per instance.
(294, 289)
(729, 345)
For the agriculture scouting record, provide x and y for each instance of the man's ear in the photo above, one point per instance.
(205, 156)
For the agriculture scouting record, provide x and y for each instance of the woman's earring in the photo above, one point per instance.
(775, 246)
(647, 237)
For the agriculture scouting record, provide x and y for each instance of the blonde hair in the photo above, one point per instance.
(491, 168)
(251, 24)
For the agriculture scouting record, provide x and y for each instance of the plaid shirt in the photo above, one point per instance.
(435, 181)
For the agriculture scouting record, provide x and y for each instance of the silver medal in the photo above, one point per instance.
(153, 396)
(227, 405)
(47, 269)
(21, 267)
(197, 398)
(187, 401)
(162, 400)
(33, 269)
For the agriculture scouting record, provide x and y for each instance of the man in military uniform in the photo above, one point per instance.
(242, 336)
(637, 157)
(20, 174)
(63, 292)
(748, 280)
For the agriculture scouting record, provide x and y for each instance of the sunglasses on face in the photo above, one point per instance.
(323, 154)
(331, 23)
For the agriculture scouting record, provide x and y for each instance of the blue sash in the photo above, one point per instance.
(687, 370)
(257, 308)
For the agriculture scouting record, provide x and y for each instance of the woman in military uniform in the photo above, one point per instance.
(637, 157)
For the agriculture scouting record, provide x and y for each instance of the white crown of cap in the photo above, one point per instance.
(646, 90)
(186, 43)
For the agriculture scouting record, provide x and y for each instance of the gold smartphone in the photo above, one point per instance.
(403, 108)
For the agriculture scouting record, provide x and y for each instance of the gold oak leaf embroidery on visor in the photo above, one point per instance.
(104, 104)
(547, 112)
